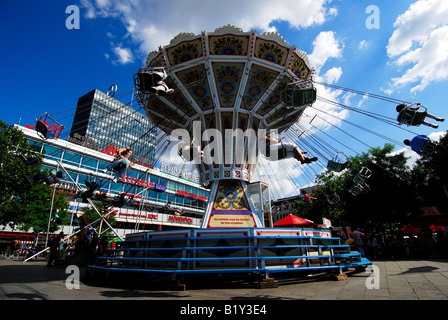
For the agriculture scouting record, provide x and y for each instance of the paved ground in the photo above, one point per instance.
(398, 280)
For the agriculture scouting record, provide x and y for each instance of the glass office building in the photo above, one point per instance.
(102, 122)
(151, 187)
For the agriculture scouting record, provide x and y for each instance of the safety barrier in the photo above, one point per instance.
(241, 250)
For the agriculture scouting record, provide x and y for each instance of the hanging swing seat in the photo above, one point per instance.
(119, 167)
(48, 130)
(187, 158)
(146, 79)
(282, 152)
(362, 175)
(189, 153)
(338, 164)
(333, 199)
(30, 161)
(357, 188)
(412, 116)
(295, 97)
(429, 148)
(42, 128)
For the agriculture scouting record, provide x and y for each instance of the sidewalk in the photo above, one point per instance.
(397, 279)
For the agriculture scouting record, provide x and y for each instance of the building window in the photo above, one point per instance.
(52, 153)
(89, 163)
(71, 158)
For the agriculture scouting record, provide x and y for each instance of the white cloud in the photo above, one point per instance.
(151, 24)
(419, 44)
(363, 45)
(326, 46)
(364, 98)
(124, 55)
(154, 23)
(333, 75)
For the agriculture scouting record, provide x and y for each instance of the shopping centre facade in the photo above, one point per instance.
(152, 188)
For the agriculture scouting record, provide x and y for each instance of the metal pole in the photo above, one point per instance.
(76, 213)
(49, 217)
(68, 237)
(89, 200)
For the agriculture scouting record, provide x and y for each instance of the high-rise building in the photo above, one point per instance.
(102, 122)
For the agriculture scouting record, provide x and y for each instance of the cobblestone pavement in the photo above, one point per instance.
(392, 280)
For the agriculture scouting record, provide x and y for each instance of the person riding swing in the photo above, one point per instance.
(152, 81)
(414, 116)
(286, 150)
(421, 144)
(121, 165)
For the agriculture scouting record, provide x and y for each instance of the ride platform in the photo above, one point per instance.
(227, 251)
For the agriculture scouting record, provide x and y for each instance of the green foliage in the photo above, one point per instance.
(38, 209)
(394, 195)
(22, 203)
(430, 176)
(91, 215)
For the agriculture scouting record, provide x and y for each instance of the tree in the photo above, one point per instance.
(38, 205)
(24, 204)
(91, 215)
(388, 196)
(391, 196)
(430, 175)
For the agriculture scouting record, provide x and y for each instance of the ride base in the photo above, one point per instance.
(259, 251)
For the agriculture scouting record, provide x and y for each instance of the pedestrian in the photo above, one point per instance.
(372, 245)
(80, 242)
(103, 245)
(343, 235)
(359, 241)
(54, 249)
(429, 243)
(63, 255)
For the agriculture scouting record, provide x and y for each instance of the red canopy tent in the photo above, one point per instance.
(293, 221)
(431, 218)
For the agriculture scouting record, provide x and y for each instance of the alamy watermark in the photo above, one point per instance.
(73, 20)
(373, 280)
(373, 20)
(72, 281)
(234, 146)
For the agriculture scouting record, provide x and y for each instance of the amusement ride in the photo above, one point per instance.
(219, 95)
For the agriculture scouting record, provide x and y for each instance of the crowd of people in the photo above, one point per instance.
(398, 245)
(85, 243)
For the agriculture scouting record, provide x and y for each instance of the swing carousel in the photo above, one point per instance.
(226, 85)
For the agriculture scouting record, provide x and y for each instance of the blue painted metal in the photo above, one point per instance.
(235, 250)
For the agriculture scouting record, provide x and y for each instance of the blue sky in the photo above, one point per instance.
(46, 67)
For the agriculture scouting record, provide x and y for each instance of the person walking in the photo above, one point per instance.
(359, 241)
(54, 249)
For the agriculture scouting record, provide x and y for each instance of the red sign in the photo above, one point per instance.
(53, 128)
(143, 183)
(181, 219)
(191, 195)
(149, 216)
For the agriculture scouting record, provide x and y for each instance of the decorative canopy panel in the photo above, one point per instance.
(227, 79)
